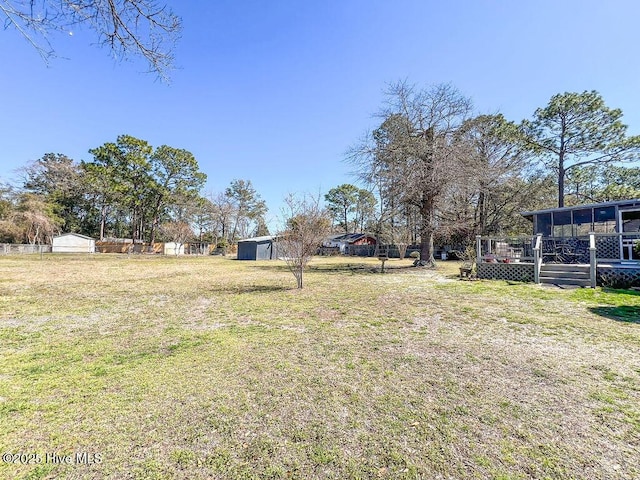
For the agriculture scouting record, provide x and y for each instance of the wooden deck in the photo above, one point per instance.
(609, 260)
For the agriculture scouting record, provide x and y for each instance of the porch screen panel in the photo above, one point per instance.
(582, 222)
(543, 224)
(604, 220)
(631, 221)
(562, 224)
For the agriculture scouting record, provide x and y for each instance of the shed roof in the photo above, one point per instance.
(70, 234)
(257, 239)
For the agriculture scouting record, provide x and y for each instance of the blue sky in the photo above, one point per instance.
(277, 91)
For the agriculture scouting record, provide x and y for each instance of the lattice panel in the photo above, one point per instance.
(607, 247)
(618, 277)
(518, 272)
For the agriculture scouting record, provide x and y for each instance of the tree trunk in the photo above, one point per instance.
(134, 225)
(234, 232)
(155, 221)
(378, 231)
(428, 207)
(482, 213)
(561, 169)
(561, 174)
(299, 276)
(427, 210)
(152, 236)
(103, 220)
(346, 225)
(426, 248)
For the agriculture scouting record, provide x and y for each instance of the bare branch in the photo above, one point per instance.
(127, 27)
(306, 225)
(415, 153)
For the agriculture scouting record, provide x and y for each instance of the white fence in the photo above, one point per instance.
(20, 249)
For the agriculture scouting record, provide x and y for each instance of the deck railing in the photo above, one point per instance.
(593, 262)
(622, 250)
(610, 247)
(615, 247)
(510, 258)
(537, 258)
(505, 249)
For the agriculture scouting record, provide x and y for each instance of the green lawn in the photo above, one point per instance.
(204, 368)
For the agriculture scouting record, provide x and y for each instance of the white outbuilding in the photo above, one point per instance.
(173, 248)
(73, 243)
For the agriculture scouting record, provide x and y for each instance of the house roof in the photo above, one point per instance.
(70, 234)
(348, 237)
(337, 236)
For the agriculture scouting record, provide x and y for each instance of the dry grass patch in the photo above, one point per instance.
(214, 368)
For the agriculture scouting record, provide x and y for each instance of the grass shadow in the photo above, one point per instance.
(240, 289)
(353, 268)
(272, 267)
(360, 268)
(326, 268)
(622, 313)
(633, 293)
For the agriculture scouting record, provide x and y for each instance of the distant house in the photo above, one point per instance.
(345, 241)
(73, 243)
(257, 248)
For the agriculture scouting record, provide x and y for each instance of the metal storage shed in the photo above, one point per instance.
(73, 243)
(257, 248)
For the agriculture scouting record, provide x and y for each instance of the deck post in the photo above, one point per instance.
(478, 251)
(592, 259)
(537, 258)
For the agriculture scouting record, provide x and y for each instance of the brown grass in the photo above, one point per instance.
(214, 368)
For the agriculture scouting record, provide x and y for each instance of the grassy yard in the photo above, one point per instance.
(197, 368)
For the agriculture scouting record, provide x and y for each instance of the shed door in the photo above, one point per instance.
(264, 251)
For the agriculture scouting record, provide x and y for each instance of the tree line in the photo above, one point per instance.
(432, 172)
(130, 190)
(442, 174)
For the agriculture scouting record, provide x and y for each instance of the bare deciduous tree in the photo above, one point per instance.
(490, 199)
(36, 218)
(416, 153)
(177, 231)
(223, 210)
(306, 224)
(127, 27)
